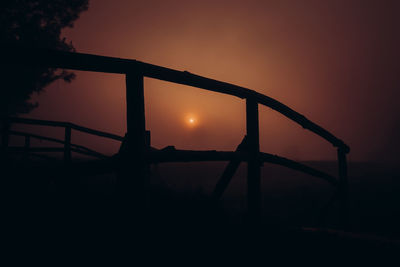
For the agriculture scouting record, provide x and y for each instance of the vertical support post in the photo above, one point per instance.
(67, 145)
(148, 139)
(134, 170)
(343, 185)
(253, 164)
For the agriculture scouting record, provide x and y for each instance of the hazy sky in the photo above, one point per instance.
(336, 62)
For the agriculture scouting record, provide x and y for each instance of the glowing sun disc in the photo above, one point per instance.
(191, 120)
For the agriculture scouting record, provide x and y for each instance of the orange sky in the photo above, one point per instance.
(336, 62)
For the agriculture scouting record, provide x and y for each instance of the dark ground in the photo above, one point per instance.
(64, 211)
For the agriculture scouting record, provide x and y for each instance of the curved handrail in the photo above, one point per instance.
(65, 124)
(88, 62)
(74, 147)
(68, 146)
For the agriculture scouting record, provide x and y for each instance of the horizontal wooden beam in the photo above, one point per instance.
(89, 152)
(173, 155)
(35, 149)
(87, 62)
(39, 137)
(96, 132)
(38, 122)
(159, 156)
(65, 124)
(54, 140)
(294, 165)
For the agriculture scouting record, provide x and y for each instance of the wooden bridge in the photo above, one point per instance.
(136, 153)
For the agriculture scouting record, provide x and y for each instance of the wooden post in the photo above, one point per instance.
(134, 170)
(253, 164)
(67, 145)
(148, 139)
(343, 186)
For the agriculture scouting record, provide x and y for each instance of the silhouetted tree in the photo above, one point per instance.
(31, 24)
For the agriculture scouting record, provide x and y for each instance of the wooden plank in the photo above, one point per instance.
(134, 171)
(228, 173)
(45, 138)
(38, 122)
(174, 155)
(291, 164)
(136, 124)
(65, 124)
(56, 149)
(96, 132)
(253, 163)
(89, 153)
(36, 149)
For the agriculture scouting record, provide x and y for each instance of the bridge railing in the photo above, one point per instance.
(135, 71)
(67, 146)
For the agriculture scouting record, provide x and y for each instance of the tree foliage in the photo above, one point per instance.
(33, 24)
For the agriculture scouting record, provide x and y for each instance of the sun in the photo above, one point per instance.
(191, 120)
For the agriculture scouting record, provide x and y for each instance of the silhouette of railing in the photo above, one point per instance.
(67, 148)
(137, 149)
